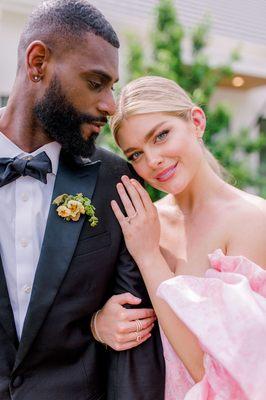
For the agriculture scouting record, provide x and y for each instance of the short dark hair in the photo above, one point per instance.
(64, 21)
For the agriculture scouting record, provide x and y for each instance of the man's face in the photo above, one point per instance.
(79, 97)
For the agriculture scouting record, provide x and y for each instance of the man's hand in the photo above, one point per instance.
(122, 328)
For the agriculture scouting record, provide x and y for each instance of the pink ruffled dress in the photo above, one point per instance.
(226, 310)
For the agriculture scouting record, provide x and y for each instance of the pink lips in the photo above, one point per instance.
(166, 173)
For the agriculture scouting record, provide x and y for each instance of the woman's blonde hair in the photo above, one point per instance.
(154, 94)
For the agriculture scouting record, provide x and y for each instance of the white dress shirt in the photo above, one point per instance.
(25, 205)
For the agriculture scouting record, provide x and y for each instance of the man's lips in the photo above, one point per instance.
(97, 126)
(166, 173)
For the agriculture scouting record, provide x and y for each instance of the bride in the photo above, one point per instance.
(201, 249)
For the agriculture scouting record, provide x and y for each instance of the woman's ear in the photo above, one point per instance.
(199, 121)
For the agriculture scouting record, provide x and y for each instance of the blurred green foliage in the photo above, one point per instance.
(200, 80)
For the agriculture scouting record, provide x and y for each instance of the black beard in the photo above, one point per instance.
(62, 122)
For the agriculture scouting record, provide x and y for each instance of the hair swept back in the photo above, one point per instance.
(64, 22)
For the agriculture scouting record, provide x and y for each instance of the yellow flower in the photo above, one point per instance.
(75, 207)
(60, 199)
(63, 211)
(75, 217)
(82, 209)
(71, 207)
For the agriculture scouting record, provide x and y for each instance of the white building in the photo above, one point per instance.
(235, 24)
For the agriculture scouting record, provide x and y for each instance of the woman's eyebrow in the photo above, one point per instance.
(147, 136)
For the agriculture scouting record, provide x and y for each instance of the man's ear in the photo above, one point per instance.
(199, 121)
(37, 56)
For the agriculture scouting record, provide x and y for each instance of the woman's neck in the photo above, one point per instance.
(204, 187)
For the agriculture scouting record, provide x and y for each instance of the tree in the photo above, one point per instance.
(200, 80)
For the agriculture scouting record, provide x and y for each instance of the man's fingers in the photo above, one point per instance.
(125, 298)
(145, 323)
(134, 335)
(131, 344)
(140, 313)
(132, 326)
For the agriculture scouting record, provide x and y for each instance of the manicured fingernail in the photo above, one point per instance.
(137, 299)
(125, 178)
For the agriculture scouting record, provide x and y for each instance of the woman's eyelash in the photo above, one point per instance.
(131, 157)
(158, 137)
(162, 134)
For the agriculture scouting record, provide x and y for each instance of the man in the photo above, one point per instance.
(55, 274)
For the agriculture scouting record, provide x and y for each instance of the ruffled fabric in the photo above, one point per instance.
(226, 310)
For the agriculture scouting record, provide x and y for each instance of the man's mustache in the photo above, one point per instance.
(89, 119)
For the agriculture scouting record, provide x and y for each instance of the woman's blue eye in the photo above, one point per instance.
(134, 156)
(161, 136)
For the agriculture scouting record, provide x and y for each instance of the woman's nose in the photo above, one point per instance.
(154, 160)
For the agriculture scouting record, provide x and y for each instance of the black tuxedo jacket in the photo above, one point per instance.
(79, 268)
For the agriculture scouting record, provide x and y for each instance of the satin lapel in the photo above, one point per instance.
(6, 313)
(59, 244)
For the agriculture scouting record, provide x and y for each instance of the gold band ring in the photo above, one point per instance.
(129, 218)
(139, 325)
(138, 339)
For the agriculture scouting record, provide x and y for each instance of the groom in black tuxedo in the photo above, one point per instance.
(54, 274)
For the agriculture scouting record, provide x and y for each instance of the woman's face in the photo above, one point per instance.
(164, 150)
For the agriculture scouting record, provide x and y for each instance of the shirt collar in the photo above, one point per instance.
(9, 149)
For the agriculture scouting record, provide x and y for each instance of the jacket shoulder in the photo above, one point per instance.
(113, 164)
(107, 156)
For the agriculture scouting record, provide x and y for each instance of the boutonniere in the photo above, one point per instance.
(72, 207)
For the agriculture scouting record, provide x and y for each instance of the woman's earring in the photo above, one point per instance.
(200, 140)
(36, 78)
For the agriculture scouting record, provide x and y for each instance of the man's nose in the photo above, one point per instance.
(106, 104)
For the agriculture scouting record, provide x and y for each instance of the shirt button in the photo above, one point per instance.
(27, 158)
(27, 289)
(25, 197)
(24, 242)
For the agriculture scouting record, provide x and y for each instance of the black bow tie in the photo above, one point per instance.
(37, 167)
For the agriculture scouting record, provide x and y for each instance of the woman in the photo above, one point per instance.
(201, 249)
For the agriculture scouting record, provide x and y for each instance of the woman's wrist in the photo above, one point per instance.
(147, 260)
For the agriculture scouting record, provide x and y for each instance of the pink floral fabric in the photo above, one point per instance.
(226, 310)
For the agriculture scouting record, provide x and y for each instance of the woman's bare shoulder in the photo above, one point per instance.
(247, 205)
(246, 221)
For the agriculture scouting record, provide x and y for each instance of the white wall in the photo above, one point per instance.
(11, 24)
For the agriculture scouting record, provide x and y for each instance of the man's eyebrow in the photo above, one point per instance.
(147, 137)
(106, 77)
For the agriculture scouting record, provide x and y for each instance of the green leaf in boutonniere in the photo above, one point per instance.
(72, 207)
